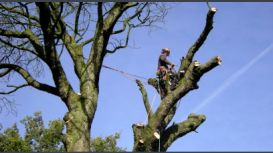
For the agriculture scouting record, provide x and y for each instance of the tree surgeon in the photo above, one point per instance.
(159, 133)
(166, 73)
(163, 68)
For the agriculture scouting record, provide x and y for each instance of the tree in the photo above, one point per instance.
(10, 140)
(33, 35)
(43, 139)
(107, 144)
(37, 138)
(157, 134)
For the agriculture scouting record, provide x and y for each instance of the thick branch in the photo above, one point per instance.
(15, 34)
(114, 14)
(74, 50)
(19, 12)
(34, 40)
(5, 72)
(30, 80)
(102, 34)
(169, 117)
(128, 19)
(178, 130)
(186, 84)
(60, 79)
(210, 64)
(145, 98)
(154, 82)
(195, 47)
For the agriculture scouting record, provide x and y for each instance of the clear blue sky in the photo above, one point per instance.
(236, 97)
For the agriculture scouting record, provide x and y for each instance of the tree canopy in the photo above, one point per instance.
(38, 138)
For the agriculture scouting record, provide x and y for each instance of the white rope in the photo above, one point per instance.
(159, 142)
(125, 73)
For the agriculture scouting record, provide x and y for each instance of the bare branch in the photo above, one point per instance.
(34, 40)
(27, 12)
(128, 19)
(87, 41)
(16, 34)
(199, 42)
(210, 64)
(15, 89)
(120, 45)
(100, 14)
(5, 72)
(22, 13)
(30, 80)
(178, 130)
(19, 47)
(7, 104)
(77, 19)
(99, 24)
(145, 98)
(73, 49)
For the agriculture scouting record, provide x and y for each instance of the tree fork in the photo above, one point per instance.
(146, 136)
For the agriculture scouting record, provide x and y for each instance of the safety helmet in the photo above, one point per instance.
(165, 50)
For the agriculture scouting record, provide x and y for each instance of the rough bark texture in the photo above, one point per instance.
(40, 33)
(148, 137)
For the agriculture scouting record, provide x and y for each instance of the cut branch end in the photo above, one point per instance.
(219, 60)
(213, 9)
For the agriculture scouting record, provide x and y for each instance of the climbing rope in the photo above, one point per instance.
(128, 75)
(134, 78)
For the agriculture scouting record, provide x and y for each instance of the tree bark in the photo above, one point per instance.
(78, 126)
(156, 136)
(41, 35)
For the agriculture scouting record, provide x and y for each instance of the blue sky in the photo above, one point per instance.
(236, 97)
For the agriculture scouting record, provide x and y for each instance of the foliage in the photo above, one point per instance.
(10, 140)
(37, 138)
(43, 139)
(107, 144)
(34, 35)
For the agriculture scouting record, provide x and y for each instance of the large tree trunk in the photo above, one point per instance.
(147, 138)
(78, 122)
(47, 30)
(78, 131)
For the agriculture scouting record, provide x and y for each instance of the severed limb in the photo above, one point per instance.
(145, 98)
(185, 85)
(185, 62)
(210, 64)
(176, 131)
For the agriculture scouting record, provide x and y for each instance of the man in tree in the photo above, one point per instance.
(163, 71)
(159, 134)
(166, 73)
